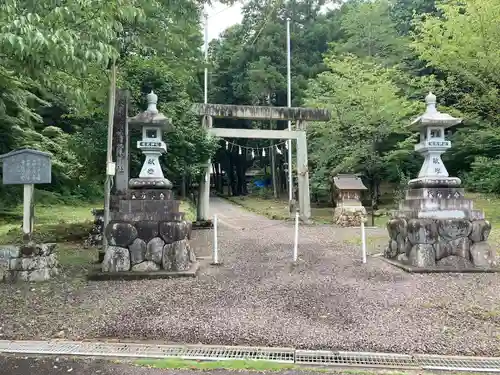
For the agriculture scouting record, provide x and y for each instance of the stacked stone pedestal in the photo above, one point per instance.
(31, 262)
(436, 227)
(148, 233)
(349, 216)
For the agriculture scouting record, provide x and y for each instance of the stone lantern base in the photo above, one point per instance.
(150, 183)
(436, 228)
(147, 237)
(349, 216)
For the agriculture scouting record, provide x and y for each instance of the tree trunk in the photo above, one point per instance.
(279, 179)
(221, 178)
(240, 175)
(183, 186)
(373, 195)
(230, 176)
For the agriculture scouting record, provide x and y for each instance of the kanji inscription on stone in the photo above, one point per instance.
(25, 166)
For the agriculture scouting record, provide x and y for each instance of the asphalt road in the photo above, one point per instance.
(20, 365)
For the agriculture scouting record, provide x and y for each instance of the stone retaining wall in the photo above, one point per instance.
(430, 243)
(28, 262)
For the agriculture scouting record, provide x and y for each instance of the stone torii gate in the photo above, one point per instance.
(297, 114)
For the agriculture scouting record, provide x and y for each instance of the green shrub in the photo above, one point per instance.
(484, 175)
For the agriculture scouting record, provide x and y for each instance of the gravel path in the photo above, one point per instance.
(328, 301)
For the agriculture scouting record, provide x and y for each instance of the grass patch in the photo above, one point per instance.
(189, 210)
(260, 366)
(177, 363)
(55, 223)
(491, 206)
(74, 258)
(278, 209)
(272, 208)
(60, 222)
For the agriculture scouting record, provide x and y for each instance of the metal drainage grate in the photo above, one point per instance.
(471, 364)
(197, 352)
(356, 359)
(283, 355)
(398, 361)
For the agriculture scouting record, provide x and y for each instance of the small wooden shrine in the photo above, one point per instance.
(349, 210)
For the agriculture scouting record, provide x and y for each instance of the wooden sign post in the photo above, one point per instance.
(27, 167)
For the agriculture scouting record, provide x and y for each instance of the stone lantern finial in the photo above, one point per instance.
(152, 101)
(430, 100)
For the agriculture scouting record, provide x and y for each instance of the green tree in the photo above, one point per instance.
(369, 117)
(53, 71)
(463, 42)
(369, 31)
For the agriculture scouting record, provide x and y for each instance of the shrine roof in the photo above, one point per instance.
(349, 182)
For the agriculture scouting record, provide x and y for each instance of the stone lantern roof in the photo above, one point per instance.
(432, 116)
(151, 116)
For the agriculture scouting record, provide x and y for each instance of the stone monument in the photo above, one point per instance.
(436, 227)
(29, 261)
(349, 211)
(147, 233)
(120, 150)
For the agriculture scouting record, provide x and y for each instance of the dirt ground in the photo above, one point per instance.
(329, 300)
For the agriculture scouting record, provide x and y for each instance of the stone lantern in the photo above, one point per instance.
(153, 124)
(436, 227)
(148, 235)
(432, 125)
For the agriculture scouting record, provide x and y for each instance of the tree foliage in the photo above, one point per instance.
(54, 72)
(368, 120)
(370, 62)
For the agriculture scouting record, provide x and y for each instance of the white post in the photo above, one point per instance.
(296, 237)
(289, 104)
(28, 211)
(215, 255)
(363, 239)
(205, 14)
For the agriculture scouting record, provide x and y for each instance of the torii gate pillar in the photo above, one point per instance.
(303, 174)
(203, 206)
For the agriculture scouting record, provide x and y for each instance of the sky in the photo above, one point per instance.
(221, 16)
